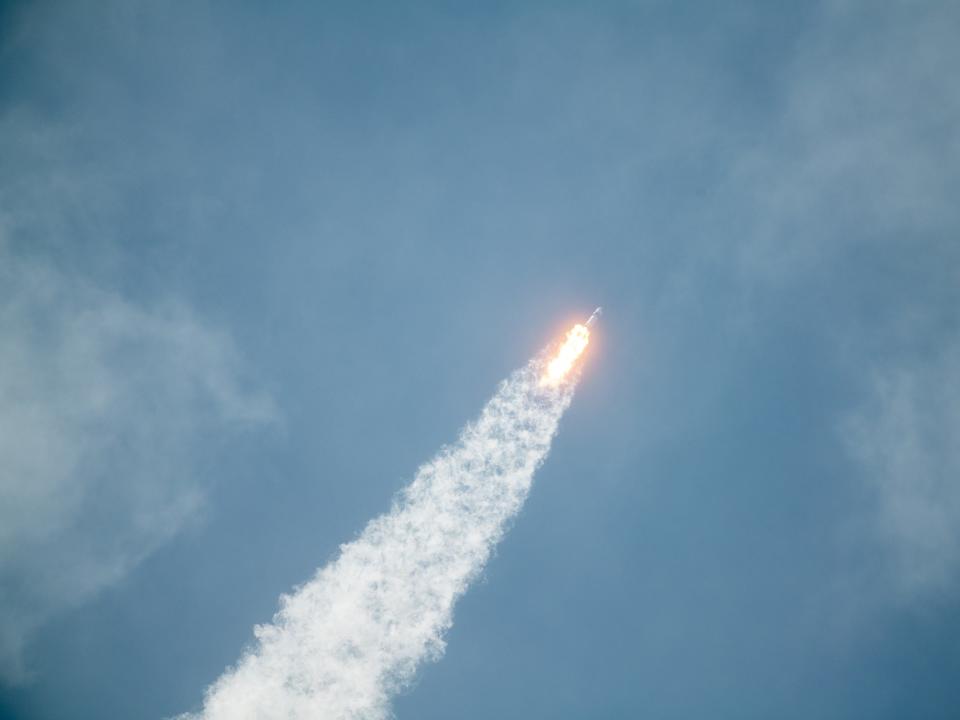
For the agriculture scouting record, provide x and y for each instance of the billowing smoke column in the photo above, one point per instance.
(341, 644)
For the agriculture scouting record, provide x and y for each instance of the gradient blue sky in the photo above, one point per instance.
(258, 261)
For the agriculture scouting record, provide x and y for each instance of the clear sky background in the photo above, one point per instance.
(258, 261)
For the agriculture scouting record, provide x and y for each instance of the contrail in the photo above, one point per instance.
(344, 642)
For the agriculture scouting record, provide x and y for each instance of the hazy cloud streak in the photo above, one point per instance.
(907, 436)
(102, 403)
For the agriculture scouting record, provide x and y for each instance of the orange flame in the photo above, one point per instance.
(567, 355)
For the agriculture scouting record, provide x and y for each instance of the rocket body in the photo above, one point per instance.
(595, 316)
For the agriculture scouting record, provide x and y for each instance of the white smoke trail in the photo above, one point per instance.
(344, 642)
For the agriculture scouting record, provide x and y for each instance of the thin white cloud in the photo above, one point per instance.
(907, 437)
(102, 406)
(860, 168)
(866, 149)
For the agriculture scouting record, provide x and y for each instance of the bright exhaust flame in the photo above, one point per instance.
(567, 355)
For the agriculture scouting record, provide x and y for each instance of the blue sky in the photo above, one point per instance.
(258, 263)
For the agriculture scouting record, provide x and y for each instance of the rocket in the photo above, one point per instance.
(593, 318)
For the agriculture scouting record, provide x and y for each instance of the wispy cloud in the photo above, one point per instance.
(907, 436)
(866, 147)
(106, 402)
(102, 406)
(862, 170)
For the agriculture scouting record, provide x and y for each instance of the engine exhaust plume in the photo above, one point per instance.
(353, 635)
